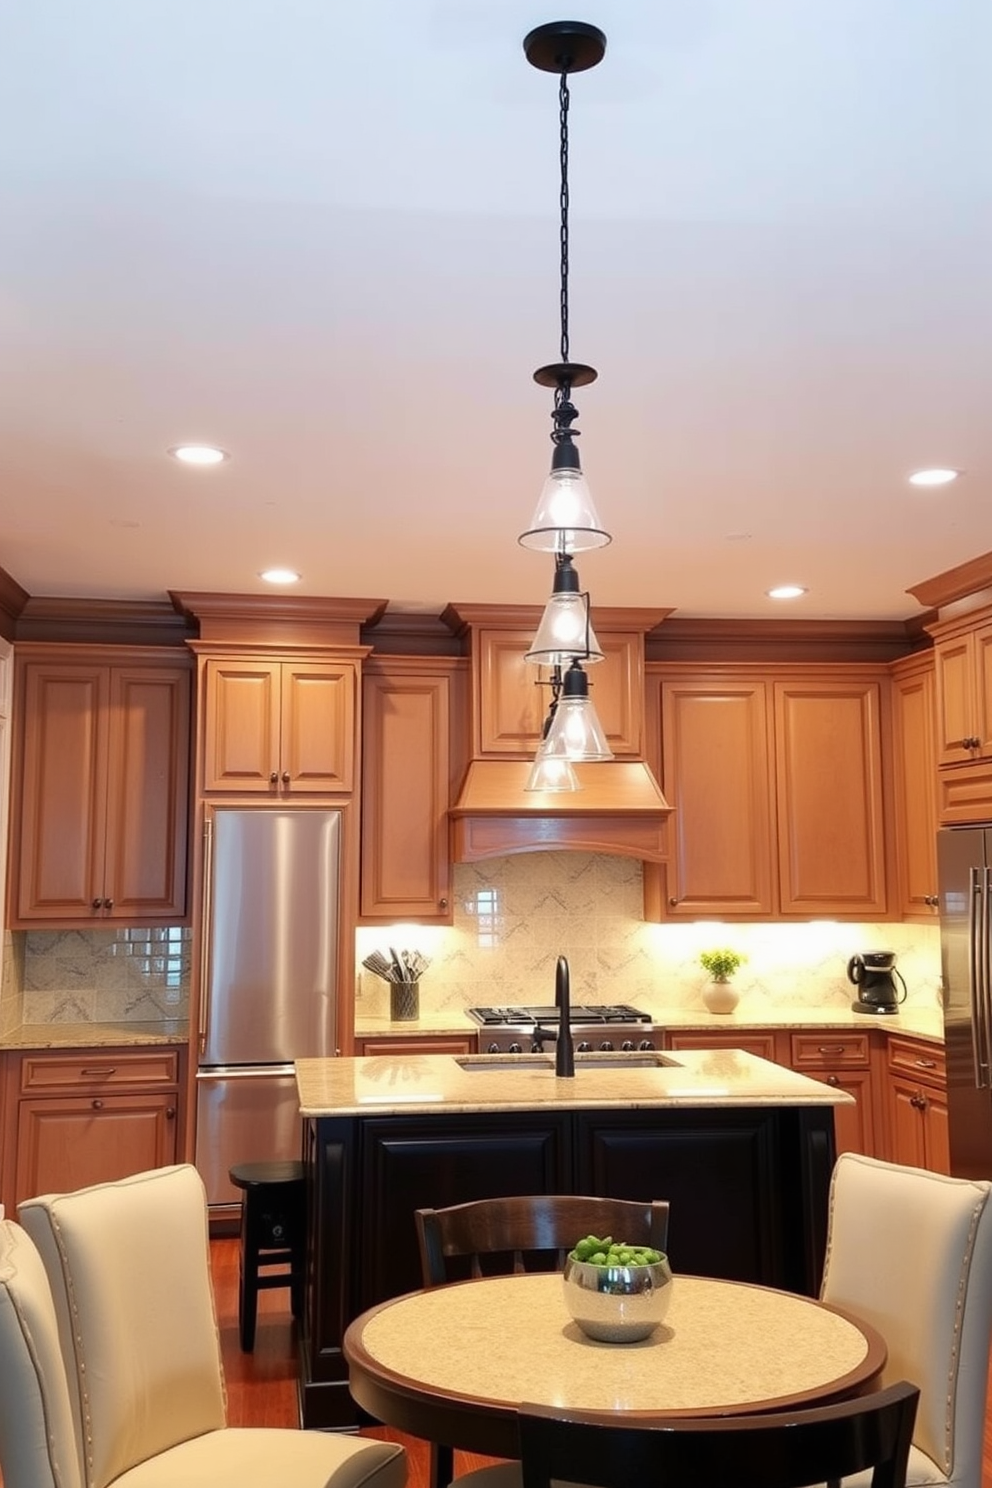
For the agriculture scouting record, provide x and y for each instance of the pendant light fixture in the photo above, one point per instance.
(566, 521)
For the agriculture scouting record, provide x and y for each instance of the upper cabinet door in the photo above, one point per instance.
(915, 782)
(148, 792)
(60, 818)
(240, 736)
(830, 802)
(954, 661)
(405, 780)
(99, 832)
(716, 775)
(317, 726)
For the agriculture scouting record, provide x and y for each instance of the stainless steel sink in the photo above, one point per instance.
(599, 1059)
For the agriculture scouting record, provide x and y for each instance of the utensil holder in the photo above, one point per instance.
(404, 1001)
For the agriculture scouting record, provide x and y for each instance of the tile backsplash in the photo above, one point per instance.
(514, 916)
(96, 976)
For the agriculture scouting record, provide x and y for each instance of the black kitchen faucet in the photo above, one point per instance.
(562, 1035)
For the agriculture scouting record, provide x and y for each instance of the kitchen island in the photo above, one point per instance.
(741, 1148)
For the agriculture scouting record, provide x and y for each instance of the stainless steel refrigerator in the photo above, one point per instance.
(964, 874)
(268, 980)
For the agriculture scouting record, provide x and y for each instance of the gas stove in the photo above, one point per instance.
(517, 1030)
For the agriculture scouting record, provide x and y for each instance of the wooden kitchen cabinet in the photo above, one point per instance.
(764, 1043)
(717, 776)
(88, 1116)
(278, 727)
(406, 785)
(843, 1060)
(101, 786)
(400, 1045)
(963, 664)
(777, 783)
(916, 1105)
(914, 757)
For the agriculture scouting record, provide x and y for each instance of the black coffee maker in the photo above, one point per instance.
(875, 976)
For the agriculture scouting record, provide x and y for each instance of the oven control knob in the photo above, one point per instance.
(646, 1044)
(537, 1047)
(493, 1048)
(627, 1046)
(606, 1046)
(584, 1048)
(514, 1049)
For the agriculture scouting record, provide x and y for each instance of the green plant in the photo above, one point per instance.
(721, 964)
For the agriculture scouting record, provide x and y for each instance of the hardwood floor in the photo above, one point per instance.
(262, 1385)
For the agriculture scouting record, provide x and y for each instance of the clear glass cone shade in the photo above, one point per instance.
(566, 520)
(565, 631)
(551, 771)
(576, 731)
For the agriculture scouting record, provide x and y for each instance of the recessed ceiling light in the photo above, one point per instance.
(199, 454)
(935, 477)
(786, 591)
(280, 576)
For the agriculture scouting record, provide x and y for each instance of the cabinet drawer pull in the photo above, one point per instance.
(97, 1105)
(831, 1048)
(101, 1072)
(926, 1064)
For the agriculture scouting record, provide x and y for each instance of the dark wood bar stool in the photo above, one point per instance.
(273, 1233)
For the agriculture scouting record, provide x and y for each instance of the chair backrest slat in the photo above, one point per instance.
(530, 1232)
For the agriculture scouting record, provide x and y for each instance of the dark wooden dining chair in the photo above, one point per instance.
(487, 1237)
(530, 1233)
(787, 1449)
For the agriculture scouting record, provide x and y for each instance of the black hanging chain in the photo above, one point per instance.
(564, 389)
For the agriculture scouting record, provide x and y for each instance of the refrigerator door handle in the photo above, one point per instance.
(206, 929)
(978, 900)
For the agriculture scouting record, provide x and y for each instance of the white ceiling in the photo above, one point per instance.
(325, 237)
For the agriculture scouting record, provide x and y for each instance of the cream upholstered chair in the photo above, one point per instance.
(128, 1267)
(37, 1436)
(910, 1252)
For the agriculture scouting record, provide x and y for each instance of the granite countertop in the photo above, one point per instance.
(435, 1083)
(919, 1022)
(94, 1035)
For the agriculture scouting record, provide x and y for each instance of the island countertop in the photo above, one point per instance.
(444, 1083)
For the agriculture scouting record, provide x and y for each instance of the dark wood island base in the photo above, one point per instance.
(747, 1183)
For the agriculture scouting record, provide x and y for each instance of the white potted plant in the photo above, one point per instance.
(719, 995)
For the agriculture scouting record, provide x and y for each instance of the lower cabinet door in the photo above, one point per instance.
(854, 1126)
(68, 1142)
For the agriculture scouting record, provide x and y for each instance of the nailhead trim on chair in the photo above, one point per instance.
(962, 1289)
(78, 1347)
(32, 1349)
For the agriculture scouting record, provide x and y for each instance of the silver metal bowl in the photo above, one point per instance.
(617, 1304)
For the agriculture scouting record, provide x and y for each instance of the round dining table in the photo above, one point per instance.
(452, 1364)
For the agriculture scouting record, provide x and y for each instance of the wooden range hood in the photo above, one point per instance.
(619, 808)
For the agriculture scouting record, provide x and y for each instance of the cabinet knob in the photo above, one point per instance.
(672, 902)
(170, 1113)
(274, 778)
(285, 777)
(833, 1080)
(97, 903)
(932, 900)
(97, 1105)
(108, 903)
(442, 903)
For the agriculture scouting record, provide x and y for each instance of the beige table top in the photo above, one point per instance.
(453, 1364)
